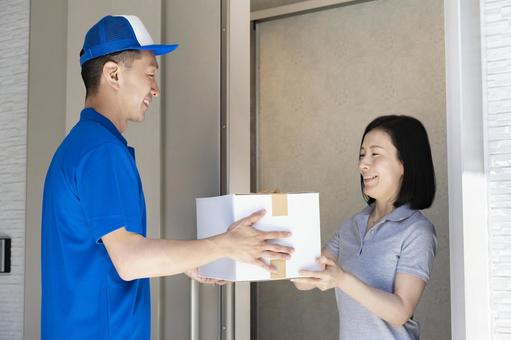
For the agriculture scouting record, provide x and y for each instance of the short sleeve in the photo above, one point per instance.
(333, 245)
(109, 191)
(418, 251)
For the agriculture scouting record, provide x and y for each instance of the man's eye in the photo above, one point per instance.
(361, 156)
(375, 154)
(151, 75)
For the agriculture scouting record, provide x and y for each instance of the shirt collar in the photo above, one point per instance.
(399, 214)
(92, 115)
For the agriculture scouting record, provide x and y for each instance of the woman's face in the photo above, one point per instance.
(381, 170)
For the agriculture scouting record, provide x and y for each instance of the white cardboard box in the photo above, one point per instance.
(294, 212)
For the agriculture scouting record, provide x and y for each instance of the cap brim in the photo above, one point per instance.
(158, 49)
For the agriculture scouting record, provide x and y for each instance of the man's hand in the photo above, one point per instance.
(246, 244)
(194, 275)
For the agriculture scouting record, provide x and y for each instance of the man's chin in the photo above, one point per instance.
(136, 119)
(139, 118)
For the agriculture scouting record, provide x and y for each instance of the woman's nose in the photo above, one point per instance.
(363, 164)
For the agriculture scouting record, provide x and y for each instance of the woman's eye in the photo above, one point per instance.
(151, 75)
(360, 156)
(375, 154)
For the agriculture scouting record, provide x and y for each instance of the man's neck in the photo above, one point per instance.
(101, 106)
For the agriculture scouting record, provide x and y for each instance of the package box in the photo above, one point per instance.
(294, 212)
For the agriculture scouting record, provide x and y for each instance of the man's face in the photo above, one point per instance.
(138, 86)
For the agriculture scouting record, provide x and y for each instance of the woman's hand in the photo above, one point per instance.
(331, 276)
(194, 275)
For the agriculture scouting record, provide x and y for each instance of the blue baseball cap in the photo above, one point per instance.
(119, 33)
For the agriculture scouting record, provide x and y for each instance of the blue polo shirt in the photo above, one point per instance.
(91, 189)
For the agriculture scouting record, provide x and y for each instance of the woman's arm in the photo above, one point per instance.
(395, 308)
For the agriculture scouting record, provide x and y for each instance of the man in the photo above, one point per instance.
(96, 259)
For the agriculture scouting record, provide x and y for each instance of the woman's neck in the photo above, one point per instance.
(381, 209)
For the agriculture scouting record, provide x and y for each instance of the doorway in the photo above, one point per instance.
(319, 78)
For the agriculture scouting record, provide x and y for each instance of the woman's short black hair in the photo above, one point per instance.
(92, 69)
(413, 150)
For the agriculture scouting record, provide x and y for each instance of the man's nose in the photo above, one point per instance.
(155, 90)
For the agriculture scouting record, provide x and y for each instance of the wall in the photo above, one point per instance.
(46, 128)
(14, 26)
(322, 77)
(191, 151)
(496, 55)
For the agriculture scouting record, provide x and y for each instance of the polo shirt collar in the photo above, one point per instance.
(92, 115)
(399, 214)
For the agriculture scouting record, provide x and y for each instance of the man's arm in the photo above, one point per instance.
(135, 256)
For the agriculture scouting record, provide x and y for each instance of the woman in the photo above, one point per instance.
(380, 259)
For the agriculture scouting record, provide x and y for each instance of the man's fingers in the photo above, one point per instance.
(264, 265)
(277, 248)
(272, 235)
(253, 218)
(271, 255)
(210, 281)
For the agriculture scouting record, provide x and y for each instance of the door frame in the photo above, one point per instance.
(466, 145)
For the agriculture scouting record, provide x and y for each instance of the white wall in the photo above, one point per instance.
(496, 55)
(14, 24)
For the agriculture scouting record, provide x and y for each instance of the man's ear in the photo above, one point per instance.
(111, 74)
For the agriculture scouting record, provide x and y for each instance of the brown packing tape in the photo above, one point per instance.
(279, 204)
(281, 269)
(279, 208)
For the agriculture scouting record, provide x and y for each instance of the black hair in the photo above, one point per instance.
(413, 150)
(92, 69)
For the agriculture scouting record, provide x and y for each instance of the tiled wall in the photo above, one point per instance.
(14, 23)
(496, 54)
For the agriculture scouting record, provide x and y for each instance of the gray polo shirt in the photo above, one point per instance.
(403, 241)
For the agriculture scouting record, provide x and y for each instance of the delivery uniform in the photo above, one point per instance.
(91, 189)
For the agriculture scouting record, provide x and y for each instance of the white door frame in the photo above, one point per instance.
(236, 145)
(466, 145)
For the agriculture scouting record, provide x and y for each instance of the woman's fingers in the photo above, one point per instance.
(306, 280)
(326, 260)
(312, 274)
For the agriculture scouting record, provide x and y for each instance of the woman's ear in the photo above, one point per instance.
(111, 74)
